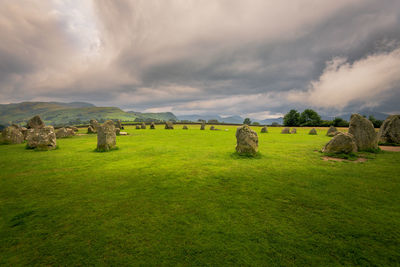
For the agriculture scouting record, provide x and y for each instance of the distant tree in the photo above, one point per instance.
(375, 122)
(292, 118)
(339, 122)
(310, 117)
(275, 124)
(247, 121)
(201, 120)
(256, 123)
(213, 121)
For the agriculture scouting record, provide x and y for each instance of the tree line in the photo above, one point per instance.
(310, 117)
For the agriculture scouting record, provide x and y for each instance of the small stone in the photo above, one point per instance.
(35, 122)
(185, 127)
(341, 143)
(143, 126)
(212, 128)
(332, 131)
(246, 140)
(169, 125)
(264, 129)
(64, 132)
(152, 126)
(286, 130)
(294, 131)
(313, 132)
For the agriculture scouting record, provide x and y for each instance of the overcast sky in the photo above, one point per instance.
(254, 58)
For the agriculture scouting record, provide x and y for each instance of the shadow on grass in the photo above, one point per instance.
(96, 150)
(40, 149)
(236, 155)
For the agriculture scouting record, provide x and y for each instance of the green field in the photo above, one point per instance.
(175, 197)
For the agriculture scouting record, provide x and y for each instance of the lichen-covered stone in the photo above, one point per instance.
(313, 132)
(143, 126)
(246, 140)
(169, 125)
(285, 130)
(41, 138)
(35, 122)
(332, 131)
(12, 135)
(264, 129)
(64, 132)
(106, 137)
(364, 132)
(390, 130)
(341, 143)
(294, 131)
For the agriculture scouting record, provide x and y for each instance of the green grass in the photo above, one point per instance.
(183, 197)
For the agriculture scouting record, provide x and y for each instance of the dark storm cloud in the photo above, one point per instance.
(226, 57)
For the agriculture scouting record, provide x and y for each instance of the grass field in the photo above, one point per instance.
(175, 197)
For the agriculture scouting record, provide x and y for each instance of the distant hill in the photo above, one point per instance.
(57, 113)
(161, 116)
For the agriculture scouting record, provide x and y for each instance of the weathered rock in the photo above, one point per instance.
(24, 131)
(75, 129)
(341, 143)
(91, 130)
(246, 140)
(185, 127)
(42, 138)
(64, 132)
(264, 129)
(286, 130)
(12, 135)
(106, 137)
(332, 131)
(143, 126)
(152, 126)
(212, 128)
(169, 125)
(203, 126)
(313, 131)
(364, 132)
(390, 130)
(137, 127)
(117, 131)
(294, 130)
(118, 124)
(35, 122)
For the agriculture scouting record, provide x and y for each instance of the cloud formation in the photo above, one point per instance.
(187, 56)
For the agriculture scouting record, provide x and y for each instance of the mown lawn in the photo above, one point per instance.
(176, 197)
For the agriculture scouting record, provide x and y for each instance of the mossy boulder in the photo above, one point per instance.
(246, 140)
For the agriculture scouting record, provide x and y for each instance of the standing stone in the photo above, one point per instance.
(91, 130)
(137, 127)
(106, 137)
(390, 130)
(203, 126)
(332, 131)
(313, 132)
(264, 129)
(246, 140)
(64, 132)
(35, 122)
(294, 130)
(12, 135)
(117, 131)
(364, 132)
(185, 127)
(212, 128)
(93, 126)
(143, 126)
(286, 130)
(118, 124)
(152, 126)
(42, 138)
(341, 143)
(169, 125)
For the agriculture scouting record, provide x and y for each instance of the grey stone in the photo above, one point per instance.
(12, 135)
(390, 130)
(35, 122)
(332, 131)
(203, 126)
(64, 132)
(264, 129)
(106, 137)
(212, 128)
(169, 125)
(246, 140)
(42, 138)
(294, 131)
(341, 143)
(313, 132)
(152, 126)
(143, 126)
(364, 132)
(185, 127)
(286, 130)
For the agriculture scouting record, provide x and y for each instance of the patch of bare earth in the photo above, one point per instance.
(390, 148)
(326, 158)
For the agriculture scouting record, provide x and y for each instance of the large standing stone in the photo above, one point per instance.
(286, 130)
(12, 135)
(152, 126)
(264, 129)
(246, 140)
(143, 126)
(35, 122)
(294, 131)
(118, 124)
(64, 132)
(106, 137)
(390, 130)
(169, 125)
(332, 131)
(341, 143)
(364, 132)
(203, 126)
(42, 138)
(313, 132)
